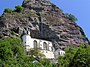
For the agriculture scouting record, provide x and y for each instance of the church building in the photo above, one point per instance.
(46, 47)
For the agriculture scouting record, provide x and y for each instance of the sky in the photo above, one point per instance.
(79, 8)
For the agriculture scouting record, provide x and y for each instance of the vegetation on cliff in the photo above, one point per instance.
(17, 9)
(8, 10)
(70, 17)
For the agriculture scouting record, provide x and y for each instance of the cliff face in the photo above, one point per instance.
(45, 21)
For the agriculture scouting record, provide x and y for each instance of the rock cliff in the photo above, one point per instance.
(45, 21)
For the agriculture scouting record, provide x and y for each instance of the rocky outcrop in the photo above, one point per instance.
(45, 21)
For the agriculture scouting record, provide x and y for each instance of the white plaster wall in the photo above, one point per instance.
(50, 46)
(62, 52)
(27, 48)
(28, 42)
(58, 53)
(40, 42)
(48, 54)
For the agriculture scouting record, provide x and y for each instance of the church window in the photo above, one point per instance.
(45, 46)
(40, 45)
(58, 53)
(35, 44)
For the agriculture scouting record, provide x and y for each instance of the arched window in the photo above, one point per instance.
(59, 53)
(45, 46)
(35, 44)
(40, 45)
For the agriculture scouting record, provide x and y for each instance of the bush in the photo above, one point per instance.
(76, 57)
(12, 54)
(70, 17)
(8, 10)
(9, 47)
(19, 8)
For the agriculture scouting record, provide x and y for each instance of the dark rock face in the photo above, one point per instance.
(45, 21)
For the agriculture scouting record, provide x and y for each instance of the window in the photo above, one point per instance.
(40, 45)
(45, 46)
(35, 44)
(59, 53)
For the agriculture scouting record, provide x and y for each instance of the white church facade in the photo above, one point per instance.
(46, 47)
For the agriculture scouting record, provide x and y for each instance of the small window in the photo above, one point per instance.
(45, 46)
(58, 53)
(35, 44)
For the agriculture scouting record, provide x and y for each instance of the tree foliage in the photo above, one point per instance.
(70, 17)
(19, 8)
(76, 57)
(12, 54)
(8, 10)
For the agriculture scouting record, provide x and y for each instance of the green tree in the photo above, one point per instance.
(11, 52)
(76, 57)
(19, 8)
(36, 53)
(70, 17)
(67, 58)
(82, 57)
(45, 62)
(8, 10)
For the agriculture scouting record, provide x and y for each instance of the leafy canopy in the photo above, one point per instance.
(8, 10)
(19, 8)
(12, 54)
(70, 17)
(76, 57)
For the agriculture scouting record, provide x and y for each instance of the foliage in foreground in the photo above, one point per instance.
(12, 54)
(76, 57)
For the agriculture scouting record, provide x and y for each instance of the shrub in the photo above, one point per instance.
(8, 10)
(19, 8)
(70, 17)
